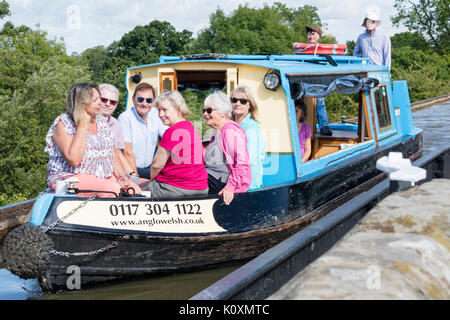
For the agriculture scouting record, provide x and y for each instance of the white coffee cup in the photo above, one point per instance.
(60, 187)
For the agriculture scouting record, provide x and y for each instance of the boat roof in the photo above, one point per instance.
(286, 64)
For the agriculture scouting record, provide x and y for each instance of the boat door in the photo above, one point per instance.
(383, 110)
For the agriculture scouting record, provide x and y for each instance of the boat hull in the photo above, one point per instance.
(254, 222)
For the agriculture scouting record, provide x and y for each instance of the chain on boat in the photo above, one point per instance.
(112, 245)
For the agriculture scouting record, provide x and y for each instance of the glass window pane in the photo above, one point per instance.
(382, 105)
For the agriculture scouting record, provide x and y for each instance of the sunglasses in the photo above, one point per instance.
(140, 99)
(311, 32)
(111, 102)
(208, 110)
(242, 101)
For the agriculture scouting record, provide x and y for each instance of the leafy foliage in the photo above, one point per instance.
(428, 17)
(339, 105)
(142, 45)
(414, 40)
(4, 9)
(22, 52)
(256, 31)
(426, 72)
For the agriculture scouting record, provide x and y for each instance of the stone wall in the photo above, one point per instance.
(400, 250)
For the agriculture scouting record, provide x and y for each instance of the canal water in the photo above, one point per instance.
(435, 121)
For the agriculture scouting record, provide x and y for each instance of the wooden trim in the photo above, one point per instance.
(372, 111)
(366, 116)
(361, 133)
(165, 75)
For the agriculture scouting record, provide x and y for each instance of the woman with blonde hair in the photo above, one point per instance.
(245, 113)
(80, 146)
(177, 168)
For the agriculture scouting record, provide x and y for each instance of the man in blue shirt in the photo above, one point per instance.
(373, 44)
(313, 34)
(141, 127)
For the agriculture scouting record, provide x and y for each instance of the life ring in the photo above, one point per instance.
(319, 48)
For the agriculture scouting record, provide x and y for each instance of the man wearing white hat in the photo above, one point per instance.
(373, 44)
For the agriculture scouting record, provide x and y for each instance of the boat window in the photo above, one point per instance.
(347, 118)
(195, 86)
(382, 105)
(324, 85)
(201, 80)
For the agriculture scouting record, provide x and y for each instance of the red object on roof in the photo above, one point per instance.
(319, 48)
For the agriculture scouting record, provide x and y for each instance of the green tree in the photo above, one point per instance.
(4, 9)
(328, 38)
(96, 59)
(410, 39)
(142, 45)
(350, 46)
(22, 52)
(425, 71)
(428, 17)
(271, 29)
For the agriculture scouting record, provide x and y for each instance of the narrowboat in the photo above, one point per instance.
(107, 239)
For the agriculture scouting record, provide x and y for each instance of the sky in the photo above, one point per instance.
(85, 24)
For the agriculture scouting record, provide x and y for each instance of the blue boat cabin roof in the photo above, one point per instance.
(286, 64)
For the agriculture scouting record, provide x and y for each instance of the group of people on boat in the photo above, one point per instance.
(100, 154)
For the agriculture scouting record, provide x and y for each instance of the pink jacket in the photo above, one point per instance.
(232, 141)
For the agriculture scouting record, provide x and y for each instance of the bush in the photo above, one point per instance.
(425, 71)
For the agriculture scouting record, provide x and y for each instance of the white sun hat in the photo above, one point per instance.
(373, 13)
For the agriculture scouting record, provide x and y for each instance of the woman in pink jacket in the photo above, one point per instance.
(226, 157)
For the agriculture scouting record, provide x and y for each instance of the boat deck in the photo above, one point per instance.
(348, 134)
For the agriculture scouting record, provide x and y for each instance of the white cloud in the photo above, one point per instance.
(104, 21)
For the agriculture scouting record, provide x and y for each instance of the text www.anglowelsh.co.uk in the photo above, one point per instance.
(153, 221)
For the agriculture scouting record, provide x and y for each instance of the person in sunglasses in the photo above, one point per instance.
(109, 98)
(245, 113)
(80, 146)
(226, 157)
(141, 127)
(177, 168)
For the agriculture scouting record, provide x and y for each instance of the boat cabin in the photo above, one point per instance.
(275, 81)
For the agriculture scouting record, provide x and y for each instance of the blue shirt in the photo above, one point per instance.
(376, 47)
(256, 146)
(143, 136)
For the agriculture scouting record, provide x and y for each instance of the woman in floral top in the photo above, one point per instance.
(80, 146)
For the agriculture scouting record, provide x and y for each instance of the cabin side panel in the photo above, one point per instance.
(279, 164)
